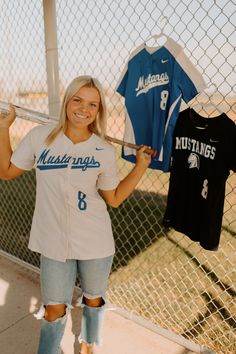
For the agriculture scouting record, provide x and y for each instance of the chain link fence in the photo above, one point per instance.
(158, 273)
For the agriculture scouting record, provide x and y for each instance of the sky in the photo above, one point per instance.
(97, 37)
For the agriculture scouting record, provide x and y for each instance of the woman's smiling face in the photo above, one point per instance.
(83, 107)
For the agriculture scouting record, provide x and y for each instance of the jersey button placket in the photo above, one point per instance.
(67, 201)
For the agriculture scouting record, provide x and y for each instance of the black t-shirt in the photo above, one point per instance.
(204, 152)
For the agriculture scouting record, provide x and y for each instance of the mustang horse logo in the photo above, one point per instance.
(194, 161)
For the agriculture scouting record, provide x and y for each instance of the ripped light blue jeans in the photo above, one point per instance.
(57, 286)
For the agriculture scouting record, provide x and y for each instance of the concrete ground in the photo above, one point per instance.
(19, 330)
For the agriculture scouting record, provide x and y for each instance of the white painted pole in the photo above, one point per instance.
(50, 32)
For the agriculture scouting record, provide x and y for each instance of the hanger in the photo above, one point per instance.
(204, 105)
(155, 37)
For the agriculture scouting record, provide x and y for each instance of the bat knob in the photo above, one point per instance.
(154, 153)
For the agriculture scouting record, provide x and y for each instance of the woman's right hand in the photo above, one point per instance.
(7, 120)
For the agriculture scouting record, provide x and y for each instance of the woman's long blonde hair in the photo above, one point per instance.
(98, 126)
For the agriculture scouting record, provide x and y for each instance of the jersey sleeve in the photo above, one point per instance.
(124, 76)
(108, 179)
(23, 157)
(189, 79)
(121, 85)
(233, 151)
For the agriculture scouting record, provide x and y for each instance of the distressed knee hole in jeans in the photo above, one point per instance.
(81, 301)
(40, 315)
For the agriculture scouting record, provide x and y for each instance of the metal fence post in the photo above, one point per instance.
(50, 30)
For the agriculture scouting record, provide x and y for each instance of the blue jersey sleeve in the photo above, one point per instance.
(187, 77)
(121, 86)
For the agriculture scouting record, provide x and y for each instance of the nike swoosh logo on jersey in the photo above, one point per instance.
(164, 61)
(98, 149)
(214, 141)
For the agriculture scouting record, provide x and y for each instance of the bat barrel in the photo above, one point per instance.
(27, 114)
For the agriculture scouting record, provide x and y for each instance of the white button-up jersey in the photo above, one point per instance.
(70, 219)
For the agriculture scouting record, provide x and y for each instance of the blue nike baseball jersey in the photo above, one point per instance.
(153, 83)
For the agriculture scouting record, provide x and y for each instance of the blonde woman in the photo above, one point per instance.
(71, 227)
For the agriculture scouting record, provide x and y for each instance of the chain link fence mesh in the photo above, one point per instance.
(158, 273)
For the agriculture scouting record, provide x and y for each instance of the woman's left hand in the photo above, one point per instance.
(143, 158)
